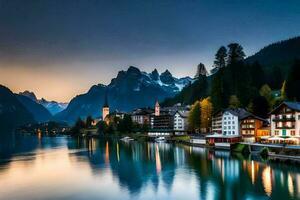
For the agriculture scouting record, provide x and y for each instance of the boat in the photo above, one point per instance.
(160, 139)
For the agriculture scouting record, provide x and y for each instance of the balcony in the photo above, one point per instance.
(284, 119)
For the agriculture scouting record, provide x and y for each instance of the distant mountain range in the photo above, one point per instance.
(130, 89)
(12, 112)
(52, 106)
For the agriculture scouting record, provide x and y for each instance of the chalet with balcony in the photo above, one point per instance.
(285, 121)
(253, 128)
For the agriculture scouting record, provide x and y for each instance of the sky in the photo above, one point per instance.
(60, 48)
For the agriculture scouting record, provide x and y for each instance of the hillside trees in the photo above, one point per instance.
(194, 119)
(293, 82)
(206, 114)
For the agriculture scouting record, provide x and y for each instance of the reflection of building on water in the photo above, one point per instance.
(107, 153)
(118, 152)
(290, 185)
(267, 180)
(157, 160)
(179, 156)
(91, 145)
(229, 169)
(252, 168)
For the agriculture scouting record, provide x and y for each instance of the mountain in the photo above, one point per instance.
(52, 106)
(130, 89)
(12, 112)
(39, 112)
(281, 54)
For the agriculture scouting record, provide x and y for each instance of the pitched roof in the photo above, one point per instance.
(182, 113)
(239, 112)
(293, 105)
(290, 104)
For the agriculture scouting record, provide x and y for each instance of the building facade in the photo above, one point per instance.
(217, 123)
(180, 122)
(252, 128)
(285, 120)
(142, 116)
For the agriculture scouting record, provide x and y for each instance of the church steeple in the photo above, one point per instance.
(157, 109)
(105, 108)
(105, 101)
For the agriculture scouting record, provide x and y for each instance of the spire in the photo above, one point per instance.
(105, 100)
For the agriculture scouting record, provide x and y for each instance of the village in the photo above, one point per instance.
(226, 127)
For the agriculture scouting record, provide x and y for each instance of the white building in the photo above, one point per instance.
(285, 121)
(180, 122)
(230, 123)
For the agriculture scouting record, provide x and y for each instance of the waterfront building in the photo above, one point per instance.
(142, 116)
(217, 122)
(253, 128)
(285, 122)
(180, 122)
(230, 127)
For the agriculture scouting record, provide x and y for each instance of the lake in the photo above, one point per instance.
(62, 168)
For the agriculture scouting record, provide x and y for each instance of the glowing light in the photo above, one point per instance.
(290, 185)
(267, 180)
(157, 160)
(118, 152)
(107, 153)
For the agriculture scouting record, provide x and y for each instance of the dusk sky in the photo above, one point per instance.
(60, 48)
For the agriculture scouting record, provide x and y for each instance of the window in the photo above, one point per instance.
(293, 133)
(276, 132)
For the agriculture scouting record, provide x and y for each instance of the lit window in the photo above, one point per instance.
(293, 133)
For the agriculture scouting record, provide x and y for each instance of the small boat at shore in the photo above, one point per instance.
(127, 139)
(160, 139)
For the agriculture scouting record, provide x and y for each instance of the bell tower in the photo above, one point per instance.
(105, 108)
(157, 109)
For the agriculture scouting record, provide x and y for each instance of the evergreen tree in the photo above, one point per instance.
(257, 75)
(218, 94)
(201, 71)
(220, 58)
(102, 127)
(79, 125)
(125, 124)
(276, 78)
(89, 121)
(235, 53)
(261, 107)
(293, 82)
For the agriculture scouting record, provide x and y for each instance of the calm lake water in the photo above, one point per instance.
(68, 168)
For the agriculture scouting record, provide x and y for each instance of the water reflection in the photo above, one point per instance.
(67, 168)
